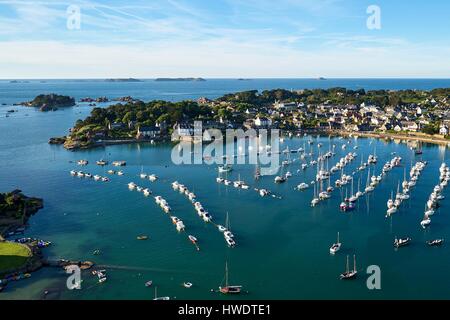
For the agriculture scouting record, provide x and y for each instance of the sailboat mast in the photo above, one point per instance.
(354, 263)
(226, 274)
(347, 269)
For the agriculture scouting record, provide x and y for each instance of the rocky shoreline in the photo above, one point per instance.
(16, 210)
(77, 145)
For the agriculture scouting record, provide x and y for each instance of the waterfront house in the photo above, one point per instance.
(131, 124)
(385, 127)
(148, 132)
(285, 106)
(364, 127)
(409, 126)
(115, 125)
(443, 130)
(184, 129)
(262, 122)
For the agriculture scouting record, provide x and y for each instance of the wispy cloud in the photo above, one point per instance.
(191, 37)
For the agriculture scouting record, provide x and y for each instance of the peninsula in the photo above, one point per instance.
(413, 113)
(15, 210)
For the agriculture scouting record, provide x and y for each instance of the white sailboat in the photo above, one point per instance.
(159, 298)
(227, 234)
(336, 246)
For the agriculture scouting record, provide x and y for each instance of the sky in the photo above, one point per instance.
(224, 39)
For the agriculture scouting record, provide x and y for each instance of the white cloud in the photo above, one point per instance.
(209, 59)
(173, 38)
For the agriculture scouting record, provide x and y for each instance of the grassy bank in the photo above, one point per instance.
(13, 256)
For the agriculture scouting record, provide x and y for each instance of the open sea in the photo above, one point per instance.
(283, 244)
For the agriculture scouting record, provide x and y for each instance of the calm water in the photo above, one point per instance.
(283, 245)
(212, 88)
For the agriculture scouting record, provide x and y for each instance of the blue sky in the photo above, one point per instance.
(224, 38)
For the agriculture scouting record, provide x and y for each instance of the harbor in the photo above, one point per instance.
(100, 206)
(201, 209)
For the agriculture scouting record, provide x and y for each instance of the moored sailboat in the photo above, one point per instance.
(229, 289)
(336, 246)
(349, 274)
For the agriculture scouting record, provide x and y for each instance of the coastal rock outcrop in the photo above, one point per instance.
(49, 102)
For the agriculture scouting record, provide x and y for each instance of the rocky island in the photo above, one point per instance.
(123, 80)
(48, 102)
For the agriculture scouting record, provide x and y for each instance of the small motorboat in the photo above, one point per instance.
(280, 179)
(142, 237)
(175, 185)
(391, 211)
(231, 243)
(426, 221)
(435, 243)
(82, 162)
(180, 226)
(187, 285)
(302, 186)
(153, 177)
(207, 217)
(143, 176)
(221, 228)
(228, 234)
(225, 168)
(119, 163)
(401, 242)
(192, 239)
(149, 283)
(102, 163)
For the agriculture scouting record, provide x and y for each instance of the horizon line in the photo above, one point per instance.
(320, 78)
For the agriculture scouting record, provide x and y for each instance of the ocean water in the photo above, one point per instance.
(212, 88)
(283, 245)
